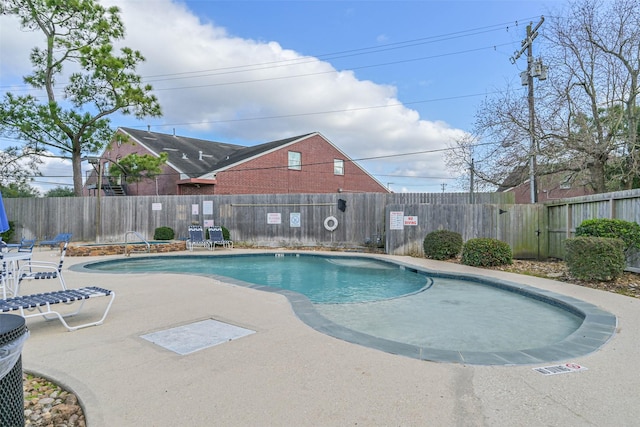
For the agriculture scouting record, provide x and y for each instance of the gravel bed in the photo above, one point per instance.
(47, 404)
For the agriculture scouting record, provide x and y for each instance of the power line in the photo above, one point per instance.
(335, 55)
(348, 53)
(382, 157)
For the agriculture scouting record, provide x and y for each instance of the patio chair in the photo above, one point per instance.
(217, 238)
(196, 238)
(56, 241)
(26, 245)
(42, 270)
(43, 304)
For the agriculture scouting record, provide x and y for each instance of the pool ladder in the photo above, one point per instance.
(139, 236)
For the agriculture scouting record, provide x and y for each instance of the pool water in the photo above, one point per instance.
(460, 316)
(406, 310)
(322, 280)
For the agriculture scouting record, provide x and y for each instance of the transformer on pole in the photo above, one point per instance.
(534, 69)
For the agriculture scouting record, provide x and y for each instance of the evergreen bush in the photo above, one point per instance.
(7, 236)
(225, 233)
(442, 244)
(628, 231)
(595, 258)
(486, 252)
(163, 233)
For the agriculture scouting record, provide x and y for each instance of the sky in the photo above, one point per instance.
(391, 83)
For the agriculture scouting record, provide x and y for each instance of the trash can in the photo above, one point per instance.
(13, 334)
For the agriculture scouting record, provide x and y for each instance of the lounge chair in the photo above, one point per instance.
(56, 241)
(217, 238)
(43, 304)
(42, 270)
(26, 245)
(196, 238)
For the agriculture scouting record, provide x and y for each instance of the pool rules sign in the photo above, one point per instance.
(398, 220)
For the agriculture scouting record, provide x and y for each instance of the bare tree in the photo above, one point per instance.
(586, 112)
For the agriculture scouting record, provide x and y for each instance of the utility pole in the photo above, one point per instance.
(534, 69)
(472, 171)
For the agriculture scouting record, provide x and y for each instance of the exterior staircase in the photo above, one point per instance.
(114, 190)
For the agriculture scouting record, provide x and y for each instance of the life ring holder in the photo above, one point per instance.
(330, 223)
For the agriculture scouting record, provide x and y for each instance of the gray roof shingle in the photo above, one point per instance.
(197, 157)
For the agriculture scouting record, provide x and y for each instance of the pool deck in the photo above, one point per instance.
(289, 374)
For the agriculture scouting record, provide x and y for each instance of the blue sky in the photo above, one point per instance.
(397, 81)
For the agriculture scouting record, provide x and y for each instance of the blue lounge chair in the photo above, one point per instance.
(217, 238)
(196, 238)
(56, 241)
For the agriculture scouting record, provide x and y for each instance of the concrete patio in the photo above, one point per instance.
(288, 374)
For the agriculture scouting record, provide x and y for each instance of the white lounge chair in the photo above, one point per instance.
(42, 270)
(43, 304)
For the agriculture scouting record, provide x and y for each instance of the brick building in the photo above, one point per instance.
(301, 164)
(549, 187)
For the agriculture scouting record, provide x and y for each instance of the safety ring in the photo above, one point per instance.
(330, 223)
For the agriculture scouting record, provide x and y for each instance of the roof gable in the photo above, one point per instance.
(249, 153)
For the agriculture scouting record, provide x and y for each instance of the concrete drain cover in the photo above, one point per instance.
(196, 336)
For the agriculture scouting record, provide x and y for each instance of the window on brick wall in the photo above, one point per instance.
(295, 160)
(338, 167)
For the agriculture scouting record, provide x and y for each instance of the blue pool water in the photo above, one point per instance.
(401, 309)
(323, 280)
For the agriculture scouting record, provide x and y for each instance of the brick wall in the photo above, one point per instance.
(266, 174)
(269, 174)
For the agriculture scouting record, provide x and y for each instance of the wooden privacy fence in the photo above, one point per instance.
(564, 216)
(521, 226)
(399, 221)
(271, 220)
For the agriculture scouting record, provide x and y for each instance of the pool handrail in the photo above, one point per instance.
(139, 236)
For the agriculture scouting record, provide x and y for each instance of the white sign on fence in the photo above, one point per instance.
(274, 218)
(207, 207)
(396, 220)
(294, 219)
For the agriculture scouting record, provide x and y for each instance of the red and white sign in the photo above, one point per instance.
(410, 220)
(274, 218)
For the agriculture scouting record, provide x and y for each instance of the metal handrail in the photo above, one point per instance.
(126, 236)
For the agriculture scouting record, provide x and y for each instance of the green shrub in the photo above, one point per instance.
(628, 231)
(225, 233)
(595, 258)
(442, 244)
(7, 236)
(163, 233)
(485, 252)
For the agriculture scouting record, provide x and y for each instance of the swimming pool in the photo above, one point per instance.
(405, 310)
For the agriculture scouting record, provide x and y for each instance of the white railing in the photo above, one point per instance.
(139, 236)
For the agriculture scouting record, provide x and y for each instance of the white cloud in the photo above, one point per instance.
(213, 104)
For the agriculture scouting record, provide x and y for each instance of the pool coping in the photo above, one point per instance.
(597, 328)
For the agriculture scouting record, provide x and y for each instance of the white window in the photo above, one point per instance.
(338, 167)
(295, 160)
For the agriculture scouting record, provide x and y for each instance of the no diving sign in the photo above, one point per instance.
(560, 369)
